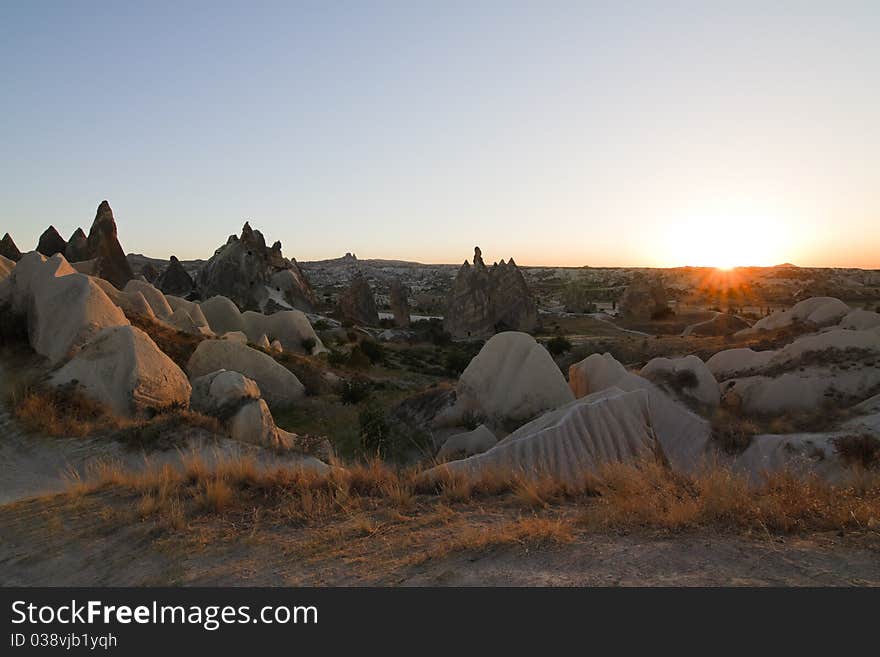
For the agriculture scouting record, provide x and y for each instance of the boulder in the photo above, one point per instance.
(175, 280)
(815, 311)
(77, 248)
(467, 444)
(103, 243)
(357, 304)
(800, 453)
(682, 435)
(399, 301)
(244, 271)
(686, 379)
(644, 298)
(276, 347)
(736, 362)
(154, 297)
(51, 243)
(235, 336)
(223, 390)
(263, 342)
(860, 320)
(721, 324)
(289, 327)
(64, 309)
(485, 300)
(512, 379)
(278, 385)
(123, 368)
(182, 320)
(222, 314)
(253, 423)
(570, 443)
(8, 249)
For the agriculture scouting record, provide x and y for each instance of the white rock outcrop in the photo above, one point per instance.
(817, 311)
(157, 301)
(220, 390)
(731, 363)
(64, 309)
(570, 443)
(512, 378)
(467, 444)
(682, 435)
(860, 320)
(278, 384)
(122, 368)
(687, 379)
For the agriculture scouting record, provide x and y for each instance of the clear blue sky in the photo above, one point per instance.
(557, 132)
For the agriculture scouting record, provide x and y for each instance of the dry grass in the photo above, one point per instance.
(621, 496)
(67, 412)
(177, 345)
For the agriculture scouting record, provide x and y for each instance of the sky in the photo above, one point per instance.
(559, 133)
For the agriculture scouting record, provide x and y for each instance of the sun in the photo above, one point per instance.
(725, 241)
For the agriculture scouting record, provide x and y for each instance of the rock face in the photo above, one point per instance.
(125, 370)
(570, 443)
(175, 280)
(485, 300)
(682, 435)
(222, 390)
(644, 298)
(6, 266)
(686, 379)
(467, 444)
(357, 303)
(243, 269)
(110, 261)
(150, 273)
(721, 324)
(279, 385)
(399, 300)
(8, 249)
(51, 243)
(814, 312)
(511, 380)
(77, 248)
(64, 309)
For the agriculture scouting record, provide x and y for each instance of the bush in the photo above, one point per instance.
(358, 360)
(375, 432)
(354, 391)
(308, 344)
(337, 358)
(663, 313)
(373, 350)
(557, 346)
(456, 361)
(321, 325)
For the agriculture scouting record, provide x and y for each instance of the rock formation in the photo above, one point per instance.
(51, 243)
(8, 249)
(149, 272)
(175, 280)
(77, 248)
(644, 298)
(278, 384)
(511, 380)
(246, 271)
(124, 369)
(399, 301)
(357, 303)
(103, 243)
(485, 300)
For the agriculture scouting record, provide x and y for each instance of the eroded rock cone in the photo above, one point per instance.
(174, 280)
(357, 303)
(149, 272)
(8, 249)
(77, 248)
(644, 298)
(485, 300)
(103, 244)
(51, 243)
(251, 274)
(399, 304)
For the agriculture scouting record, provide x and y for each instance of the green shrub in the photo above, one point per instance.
(354, 391)
(337, 358)
(375, 432)
(373, 350)
(358, 360)
(557, 346)
(308, 344)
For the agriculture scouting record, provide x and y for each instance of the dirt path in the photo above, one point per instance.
(91, 541)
